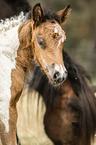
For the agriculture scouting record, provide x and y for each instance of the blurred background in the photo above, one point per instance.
(81, 44)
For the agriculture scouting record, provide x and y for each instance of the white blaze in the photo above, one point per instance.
(61, 33)
(9, 44)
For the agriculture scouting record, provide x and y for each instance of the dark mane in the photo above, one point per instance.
(79, 81)
(49, 15)
(14, 7)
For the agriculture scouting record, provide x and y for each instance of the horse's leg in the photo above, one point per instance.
(8, 137)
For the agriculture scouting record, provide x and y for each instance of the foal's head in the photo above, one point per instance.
(48, 40)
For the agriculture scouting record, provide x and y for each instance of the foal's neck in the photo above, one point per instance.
(24, 61)
(25, 53)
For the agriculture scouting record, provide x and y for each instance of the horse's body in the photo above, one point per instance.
(9, 44)
(70, 116)
(24, 41)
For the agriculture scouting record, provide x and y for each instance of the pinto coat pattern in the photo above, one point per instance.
(9, 44)
(23, 43)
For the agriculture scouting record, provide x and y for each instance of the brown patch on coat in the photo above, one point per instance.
(60, 118)
(4, 136)
(8, 138)
(25, 53)
(24, 62)
(18, 77)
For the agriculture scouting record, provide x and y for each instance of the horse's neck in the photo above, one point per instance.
(25, 53)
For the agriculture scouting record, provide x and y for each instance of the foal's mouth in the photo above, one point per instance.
(55, 83)
(58, 82)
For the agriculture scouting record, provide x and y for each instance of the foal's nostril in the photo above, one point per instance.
(56, 75)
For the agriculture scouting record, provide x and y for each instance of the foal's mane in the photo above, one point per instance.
(78, 78)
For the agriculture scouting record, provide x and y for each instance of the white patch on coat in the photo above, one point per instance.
(62, 69)
(9, 44)
(61, 33)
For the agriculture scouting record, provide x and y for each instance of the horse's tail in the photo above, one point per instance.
(79, 80)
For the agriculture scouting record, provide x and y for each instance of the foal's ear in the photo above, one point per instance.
(63, 14)
(37, 14)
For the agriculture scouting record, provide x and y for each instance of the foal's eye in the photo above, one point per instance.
(55, 35)
(41, 42)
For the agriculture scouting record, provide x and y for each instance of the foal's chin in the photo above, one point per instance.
(56, 83)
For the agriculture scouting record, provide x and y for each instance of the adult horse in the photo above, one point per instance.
(24, 42)
(70, 117)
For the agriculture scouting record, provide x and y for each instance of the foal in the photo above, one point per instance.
(24, 41)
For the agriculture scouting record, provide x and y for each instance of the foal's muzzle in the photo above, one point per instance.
(57, 74)
(58, 77)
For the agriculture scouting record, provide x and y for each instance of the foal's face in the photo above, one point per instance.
(48, 41)
(48, 38)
